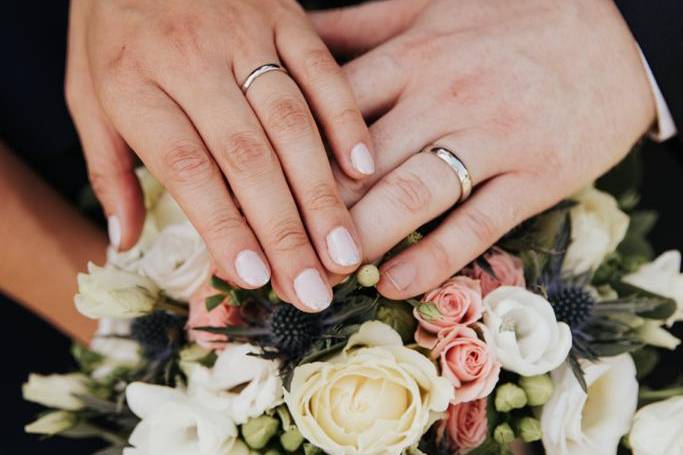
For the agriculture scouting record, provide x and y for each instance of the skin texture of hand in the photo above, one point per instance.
(536, 97)
(162, 79)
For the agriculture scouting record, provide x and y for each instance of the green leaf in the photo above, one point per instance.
(221, 285)
(646, 360)
(214, 301)
(577, 370)
(642, 222)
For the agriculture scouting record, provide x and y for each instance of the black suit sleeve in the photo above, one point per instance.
(658, 27)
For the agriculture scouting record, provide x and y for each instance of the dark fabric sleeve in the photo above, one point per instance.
(658, 27)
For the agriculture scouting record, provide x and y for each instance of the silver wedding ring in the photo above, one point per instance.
(458, 167)
(260, 71)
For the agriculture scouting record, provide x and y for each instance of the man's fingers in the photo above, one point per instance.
(356, 29)
(494, 209)
(329, 95)
(174, 152)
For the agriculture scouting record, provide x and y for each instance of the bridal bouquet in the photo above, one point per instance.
(542, 341)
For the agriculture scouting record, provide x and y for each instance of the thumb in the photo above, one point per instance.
(353, 30)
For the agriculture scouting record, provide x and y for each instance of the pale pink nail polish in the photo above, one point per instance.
(342, 248)
(312, 291)
(251, 268)
(361, 159)
(114, 229)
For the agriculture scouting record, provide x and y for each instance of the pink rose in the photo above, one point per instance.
(467, 362)
(457, 302)
(221, 316)
(465, 426)
(508, 271)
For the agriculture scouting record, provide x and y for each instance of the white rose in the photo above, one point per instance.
(524, 331)
(167, 212)
(657, 428)
(377, 397)
(116, 353)
(260, 386)
(598, 226)
(173, 424)
(130, 260)
(576, 423)
(56, 390)
(663, 277)
(151, 188)
(178, 261)
(52, 423)
(108, 292)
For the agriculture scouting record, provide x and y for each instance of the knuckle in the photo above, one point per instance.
(288, 236)
(408, 191)
(351, 190)
(322, 197)
(348, 116)
(187, 161)
(440, 257)
(225, 225)
(246, 153)
(289, 115)
(481, 225)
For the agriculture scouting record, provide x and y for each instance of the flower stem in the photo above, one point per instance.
(656, 395)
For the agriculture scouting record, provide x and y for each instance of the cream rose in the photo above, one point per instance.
(377, 397)
(522, 327)
(576, 423)
(239, 384)
(657, 428)
(662, 276)
(108, 292)
(598, 226)
(178, 261)
(174, 424)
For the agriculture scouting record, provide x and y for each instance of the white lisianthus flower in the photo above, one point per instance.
(377, 397)
(178, 261)
(116, 353)
(174, 424)
(239, 384)
(57, 390)
(576, 423)
(522, 328)
(110, 327)
(108, 292)
(663, 277)
(52, 423)
(657, 428)
(598, 226)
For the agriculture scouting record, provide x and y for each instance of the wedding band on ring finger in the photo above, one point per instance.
(458, 167)
(258, 72)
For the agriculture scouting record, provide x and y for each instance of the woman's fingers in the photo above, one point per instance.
(494, 209)
(237, 141)
(418, 191)
(177, 156)
(329, 96)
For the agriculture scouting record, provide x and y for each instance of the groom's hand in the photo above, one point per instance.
(536, 97)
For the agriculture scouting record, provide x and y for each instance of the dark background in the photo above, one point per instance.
(34, 122)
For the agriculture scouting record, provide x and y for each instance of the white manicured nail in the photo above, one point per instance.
(341, 247)
(114, 228)
(311, 290)
(251, 268)
(361, 159)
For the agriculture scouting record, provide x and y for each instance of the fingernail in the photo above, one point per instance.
(251, 268)
(341, 247)
(401, 275)
(114, 228)
(312, 291)
(361, 159)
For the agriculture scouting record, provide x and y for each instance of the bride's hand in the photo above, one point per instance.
(166, 79)
(536, 98)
